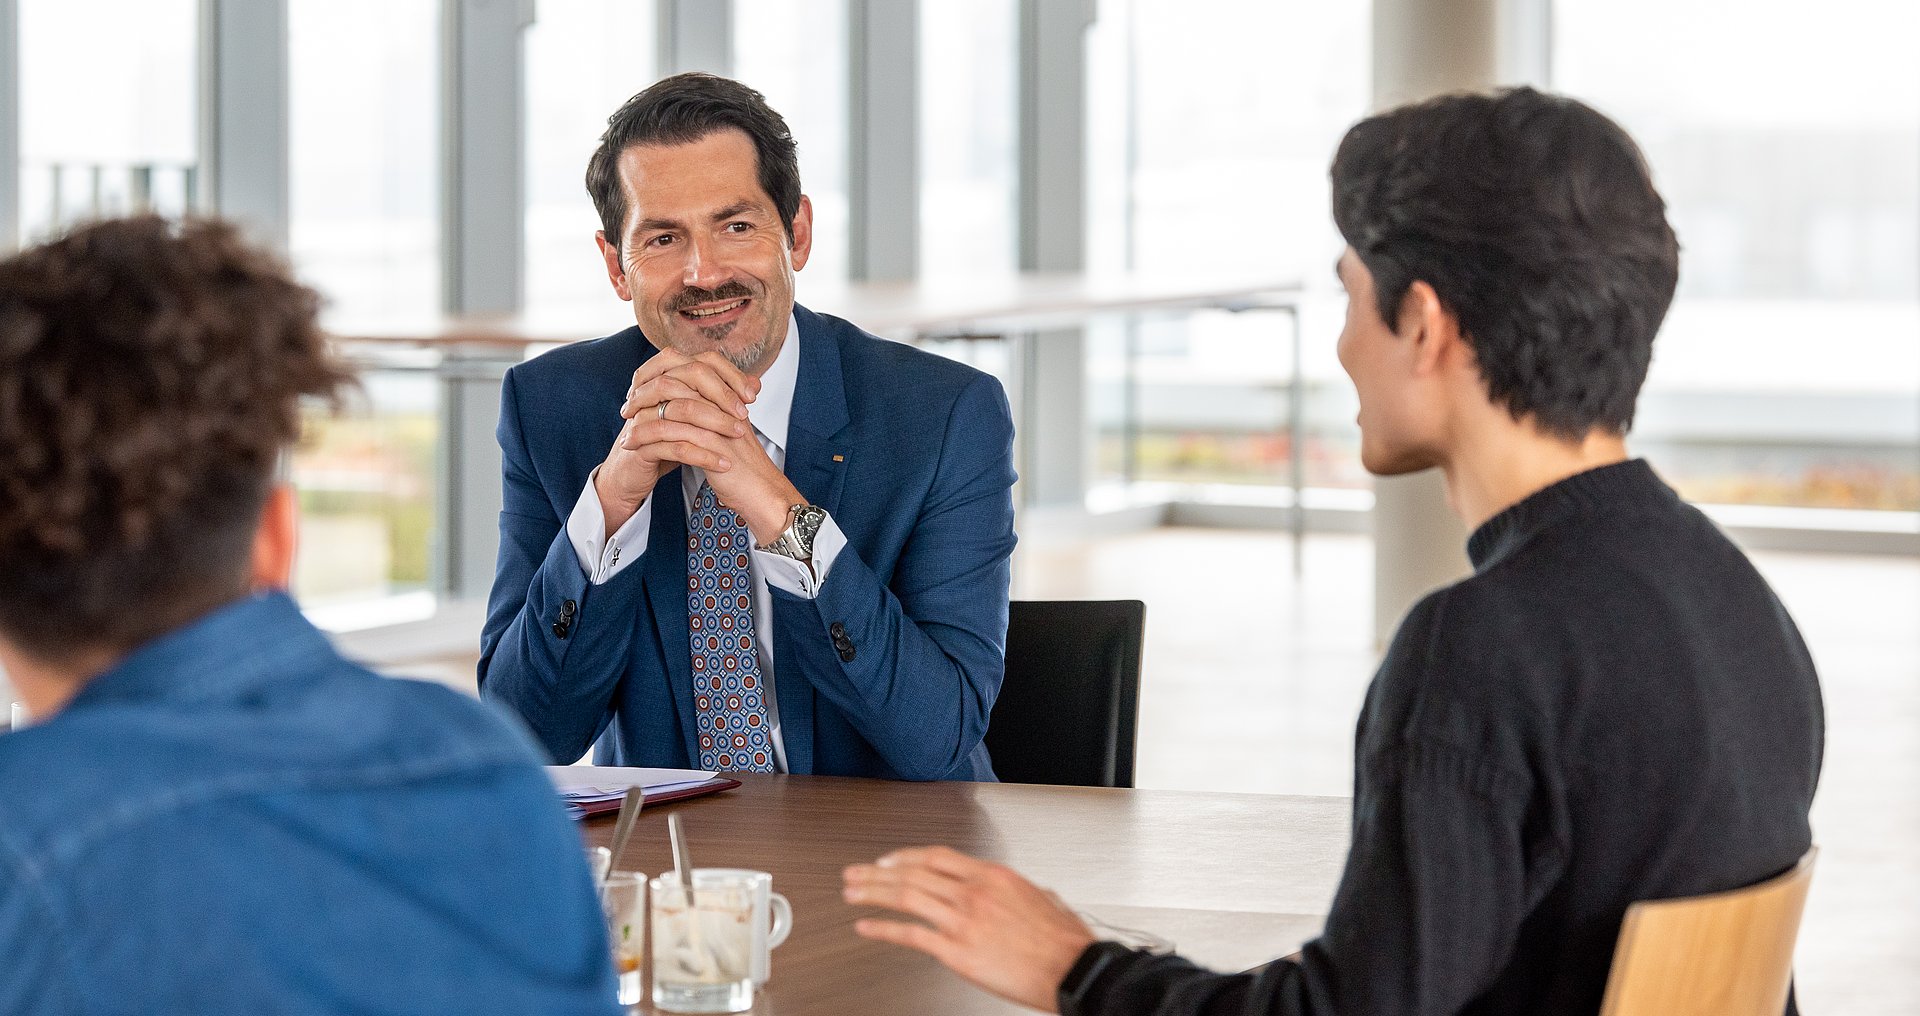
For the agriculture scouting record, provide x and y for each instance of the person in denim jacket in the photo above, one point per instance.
(211, 811)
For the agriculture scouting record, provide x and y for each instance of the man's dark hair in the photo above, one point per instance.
(681, 110)
(151, 374)
(1535, 220)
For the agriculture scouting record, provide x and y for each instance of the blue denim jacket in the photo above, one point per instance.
(237, 820)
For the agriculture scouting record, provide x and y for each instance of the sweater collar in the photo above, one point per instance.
(1606, 488)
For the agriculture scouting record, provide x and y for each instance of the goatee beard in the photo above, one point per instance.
(745, 360)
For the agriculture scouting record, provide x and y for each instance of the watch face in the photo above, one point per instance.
(807, 522)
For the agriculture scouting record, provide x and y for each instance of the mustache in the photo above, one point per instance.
(693, 296)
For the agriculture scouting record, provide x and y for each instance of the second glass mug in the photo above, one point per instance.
(711, 957)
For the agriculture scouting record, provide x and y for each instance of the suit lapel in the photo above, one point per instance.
(817, 454)
(666, 564)
(819, 417)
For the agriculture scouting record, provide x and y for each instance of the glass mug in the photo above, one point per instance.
(704, 955)
(623, 899)
(772, 919)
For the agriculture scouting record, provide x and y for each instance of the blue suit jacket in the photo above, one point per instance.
(911, 454)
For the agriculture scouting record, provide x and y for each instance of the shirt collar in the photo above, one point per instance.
(771, 412)
(247, 643)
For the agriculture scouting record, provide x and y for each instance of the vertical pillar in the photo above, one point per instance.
(243, 115)
(483, 204)
(483, 244)
(1052, 108)
(883, 140)
(694, 35)
(1423, 48)
(9, 132)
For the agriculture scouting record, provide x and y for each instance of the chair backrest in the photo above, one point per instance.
(1725, 954)
(1068, 712)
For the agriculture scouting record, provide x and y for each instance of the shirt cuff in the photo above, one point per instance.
(602, 557)
(803, 578)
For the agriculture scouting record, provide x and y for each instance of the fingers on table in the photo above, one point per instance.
(935, 898)
(913, 936)
(945, 860)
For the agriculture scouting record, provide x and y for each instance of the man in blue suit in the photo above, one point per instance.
(742, 535)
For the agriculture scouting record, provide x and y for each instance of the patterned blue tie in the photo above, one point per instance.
(728, 709)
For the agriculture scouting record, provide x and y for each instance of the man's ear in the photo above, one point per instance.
(1432, 331)
(802, 234)
(274, 541)
(616, 272)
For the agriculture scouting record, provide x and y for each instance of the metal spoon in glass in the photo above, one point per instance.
(623, 825)
(683, 872)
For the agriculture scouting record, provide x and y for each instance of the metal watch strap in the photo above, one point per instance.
(790, 542)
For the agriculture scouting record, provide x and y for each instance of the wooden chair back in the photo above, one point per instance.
(1724, 954)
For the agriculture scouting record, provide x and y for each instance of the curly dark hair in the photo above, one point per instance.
(1535, 220)
(151, 375)
(683, 109)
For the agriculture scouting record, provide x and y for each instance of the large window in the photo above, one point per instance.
(363, 152)
(108, 107)
(1211, 125)
(368, 501)
(584, 58)
(1788, 372)
(796, 55)
(967, 74)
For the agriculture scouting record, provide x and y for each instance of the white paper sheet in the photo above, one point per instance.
(600, 783)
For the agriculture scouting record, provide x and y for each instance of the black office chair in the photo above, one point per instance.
(1069, 711)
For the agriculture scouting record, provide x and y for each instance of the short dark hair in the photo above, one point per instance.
(1535, 220)
(151, 374)
(683, 109)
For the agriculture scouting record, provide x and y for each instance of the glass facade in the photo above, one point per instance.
(363, 145)
(1208, 159)
(1788, 372)
(109, 110)
(584, 58)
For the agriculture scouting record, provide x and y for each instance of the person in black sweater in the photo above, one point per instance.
(1613, 707)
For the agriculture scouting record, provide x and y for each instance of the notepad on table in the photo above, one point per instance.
(591, 790)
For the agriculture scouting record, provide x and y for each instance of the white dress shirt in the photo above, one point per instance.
(602, 556)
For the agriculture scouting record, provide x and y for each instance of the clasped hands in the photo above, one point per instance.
(692, 411)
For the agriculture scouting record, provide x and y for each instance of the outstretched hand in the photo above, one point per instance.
(982, 920)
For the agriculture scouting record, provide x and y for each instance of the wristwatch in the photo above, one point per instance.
(1085, 972)
(796, 541)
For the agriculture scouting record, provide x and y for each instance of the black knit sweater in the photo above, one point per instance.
(1614, 707)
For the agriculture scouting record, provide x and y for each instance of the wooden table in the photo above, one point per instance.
(1233, 880)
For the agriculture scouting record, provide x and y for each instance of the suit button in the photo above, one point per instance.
(567, 608)
(846, 652)
(838, 631)
(560, 629)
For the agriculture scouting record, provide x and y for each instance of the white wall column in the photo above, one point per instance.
(1056, 447)
(243, 115)
(694, 35)
(1423, 48)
